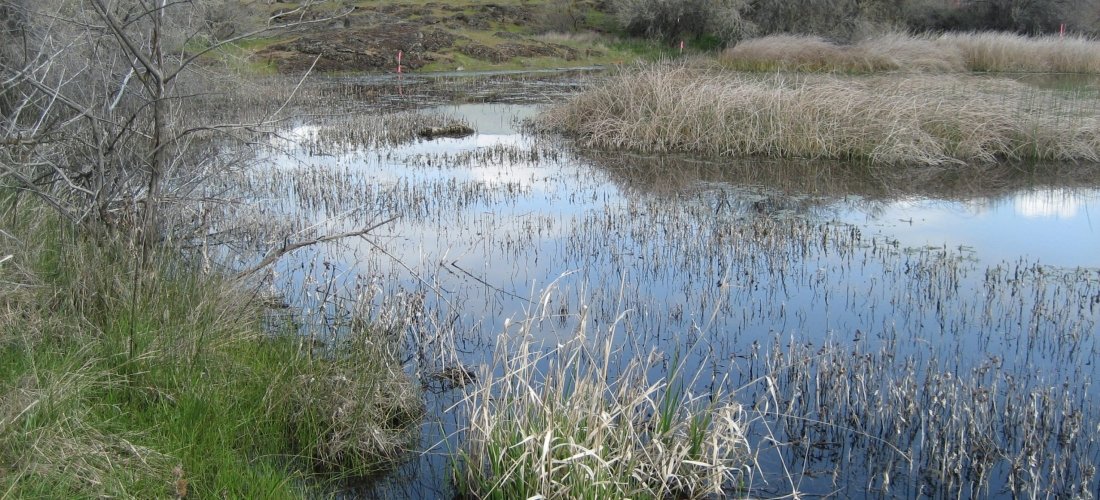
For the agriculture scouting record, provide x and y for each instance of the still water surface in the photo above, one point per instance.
(723, 268)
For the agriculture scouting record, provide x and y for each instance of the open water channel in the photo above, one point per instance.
(929, 338)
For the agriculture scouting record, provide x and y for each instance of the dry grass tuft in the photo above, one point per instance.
(790, 53)
(561, 424)
(359, 411)
(885, 120)
(951, 52)
(1009, 52)
(900, 51)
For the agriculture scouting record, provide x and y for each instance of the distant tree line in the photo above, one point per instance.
(727, 21)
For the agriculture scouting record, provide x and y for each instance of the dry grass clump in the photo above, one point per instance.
(905, 52)
(951, 52)
(561, 424)
(888, 52)
(1008, 52)
(793, 53)
(359, 410)
(888, 120)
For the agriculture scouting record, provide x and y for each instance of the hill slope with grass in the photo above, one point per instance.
(436, 36)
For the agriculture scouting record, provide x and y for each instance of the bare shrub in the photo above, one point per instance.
(566, 15)
(836, 19)
(102, 120)
(224, 19)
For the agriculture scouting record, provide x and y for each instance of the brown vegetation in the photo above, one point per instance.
(885, 120)
(572, 423)
(951, 52)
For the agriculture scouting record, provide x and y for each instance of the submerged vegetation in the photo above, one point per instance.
(934, 121)
(815, 414)
(925, 425)
(141, 359)
(860, 365)
(949, 52)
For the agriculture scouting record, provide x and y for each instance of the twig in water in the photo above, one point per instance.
(276, 253)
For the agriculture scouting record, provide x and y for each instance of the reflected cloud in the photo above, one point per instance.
(294, 136)
(1047, 203)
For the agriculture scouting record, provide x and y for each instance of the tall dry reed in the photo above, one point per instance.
(950, 52)
(573, 423)
(885, 120)
(1008, 52)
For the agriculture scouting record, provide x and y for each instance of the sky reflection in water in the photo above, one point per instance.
(1051, 225)
(713, 267)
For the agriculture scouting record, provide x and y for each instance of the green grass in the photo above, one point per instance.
(149, 382)
(594, 49)
(240, 57)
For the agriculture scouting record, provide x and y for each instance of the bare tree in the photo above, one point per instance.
(98, 99)
(675, 19)
(837, 19)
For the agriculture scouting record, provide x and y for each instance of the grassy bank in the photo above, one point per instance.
(883, 120)
(949, 52)
(152, 382)
(575, 422)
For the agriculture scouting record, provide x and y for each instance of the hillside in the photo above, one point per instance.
(439, 36)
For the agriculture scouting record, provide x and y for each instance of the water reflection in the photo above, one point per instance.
(1050, 203)
(733, 263)
(1050, 225)
(1041, 213)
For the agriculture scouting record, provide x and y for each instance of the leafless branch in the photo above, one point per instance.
(277, 253)
(266, 29)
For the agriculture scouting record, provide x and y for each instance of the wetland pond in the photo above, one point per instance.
(928, 339)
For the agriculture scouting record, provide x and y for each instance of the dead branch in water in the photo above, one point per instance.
(276, 253)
